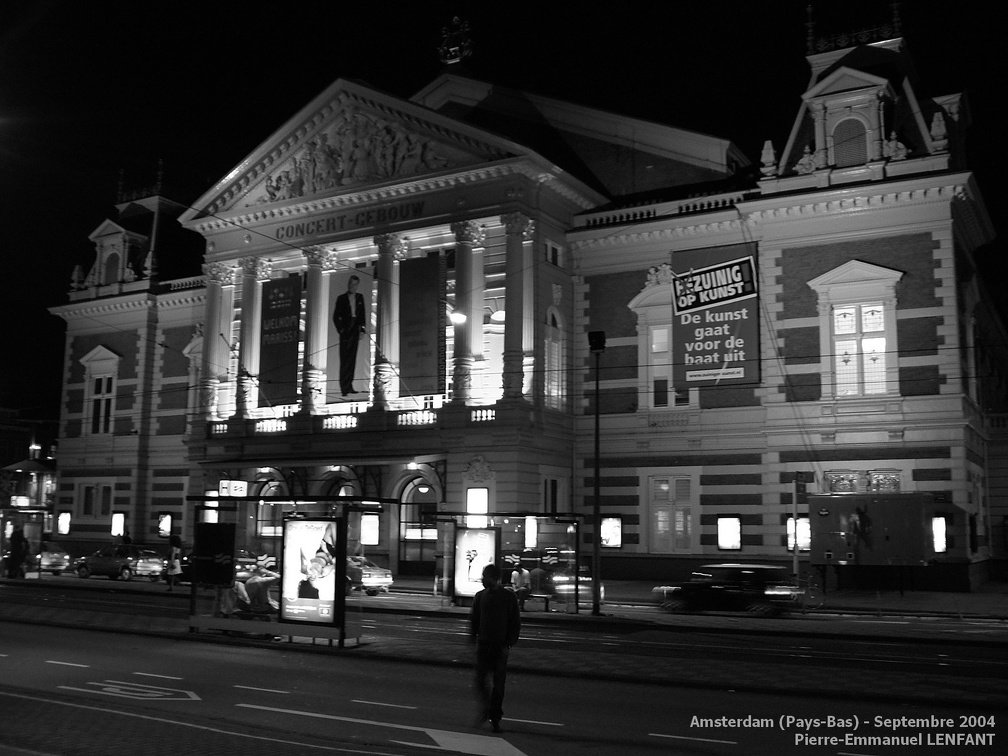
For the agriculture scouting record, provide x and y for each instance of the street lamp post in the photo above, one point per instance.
(596, 342)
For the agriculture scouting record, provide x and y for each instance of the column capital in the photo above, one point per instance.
(519, 223)
(256, 266)
(220, 273)
(469, 232)
(395, 244)
(316, 256)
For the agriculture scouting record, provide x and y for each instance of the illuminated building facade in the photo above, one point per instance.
(824, 319)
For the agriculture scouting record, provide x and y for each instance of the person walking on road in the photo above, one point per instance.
(494, 624)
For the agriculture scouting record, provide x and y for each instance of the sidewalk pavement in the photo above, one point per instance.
(979, 619)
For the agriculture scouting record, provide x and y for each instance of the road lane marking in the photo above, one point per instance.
(135, 691)
(382, 703)
(204, 728)
(534, 722)
(67, 664)
(151, 674)
(263, 690)
(460, 742)
(683, 737)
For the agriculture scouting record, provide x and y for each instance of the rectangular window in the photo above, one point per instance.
(118, 523)
(164, 524)
(554, 256)
(101, 404)
(729, 533)
(663, 393)
(612, 532)
(477, 506)
(106, 500)
(63, 523)
(859, 349)
(88, 507)
(804, 534)
(939, 534)
(551, 495)
(671, 515)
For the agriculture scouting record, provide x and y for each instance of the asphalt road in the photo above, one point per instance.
(78, 693)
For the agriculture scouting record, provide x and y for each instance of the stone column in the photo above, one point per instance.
(391, 249)
(822, 149)
(469, 239)
(216, 343)
(255, 270)
(313, 378)
(517, 263)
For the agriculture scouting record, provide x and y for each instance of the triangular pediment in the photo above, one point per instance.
(844, 80)
(350, 138)
(856, 278)
(106, 228)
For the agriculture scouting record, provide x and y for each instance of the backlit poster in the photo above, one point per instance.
(314, 571)
(475, 548)
(278, 341)
(421, 327)
(353, 311)
(715, 319)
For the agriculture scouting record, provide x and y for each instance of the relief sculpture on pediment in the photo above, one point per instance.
(357, 148)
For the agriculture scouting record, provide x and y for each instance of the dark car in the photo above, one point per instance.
(757, 588)
(123, 562)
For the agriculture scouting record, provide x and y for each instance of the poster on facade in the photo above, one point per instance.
(351, 329)
(715, 319)
(278, 341)
(314, 571)
(421, 327)
(475, 548)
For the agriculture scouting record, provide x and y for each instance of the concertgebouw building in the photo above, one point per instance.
(814, 314)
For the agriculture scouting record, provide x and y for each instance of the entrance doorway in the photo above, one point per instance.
(418, 529)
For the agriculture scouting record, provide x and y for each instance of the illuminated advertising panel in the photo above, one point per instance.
(314, 571)
(475, 548)
(360, 353)
(715, 319)
(278, 341)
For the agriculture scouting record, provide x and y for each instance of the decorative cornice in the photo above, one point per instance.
(96, 307)
(659, 234)
(503, 169)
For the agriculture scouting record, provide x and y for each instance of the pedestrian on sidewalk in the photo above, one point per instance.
(494, 624)
(174, 560)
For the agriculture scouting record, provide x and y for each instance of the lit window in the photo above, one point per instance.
(804, 534)
(857, 311)
(369, 529)
(164, 524)
(63, 523)
(939, 532)
(118, 523)
(612, 532)
(729, 533)
(556, 371)
(477, 506)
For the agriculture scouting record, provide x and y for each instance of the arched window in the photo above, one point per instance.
(556, 371)
(850, 143)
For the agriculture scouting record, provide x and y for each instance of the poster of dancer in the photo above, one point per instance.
(475, 548)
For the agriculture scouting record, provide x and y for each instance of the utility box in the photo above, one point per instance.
(873, 530)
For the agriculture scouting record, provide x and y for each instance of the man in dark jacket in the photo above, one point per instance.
(350, 320)
(494, 623)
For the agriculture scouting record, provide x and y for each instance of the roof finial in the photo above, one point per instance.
(809, 31)
(455, 43)
(897, 24)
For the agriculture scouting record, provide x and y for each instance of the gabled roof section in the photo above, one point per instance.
(348, 138)
(615, 154)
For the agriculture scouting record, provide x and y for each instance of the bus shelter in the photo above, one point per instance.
(291, 573)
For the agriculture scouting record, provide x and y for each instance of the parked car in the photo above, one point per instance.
(5, 569)
(757, 588)
(52, 558)
(123, 562)
(363, 574)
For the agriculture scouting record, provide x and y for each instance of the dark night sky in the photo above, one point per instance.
(89, 89)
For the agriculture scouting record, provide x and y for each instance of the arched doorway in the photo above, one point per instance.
(418, 528)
